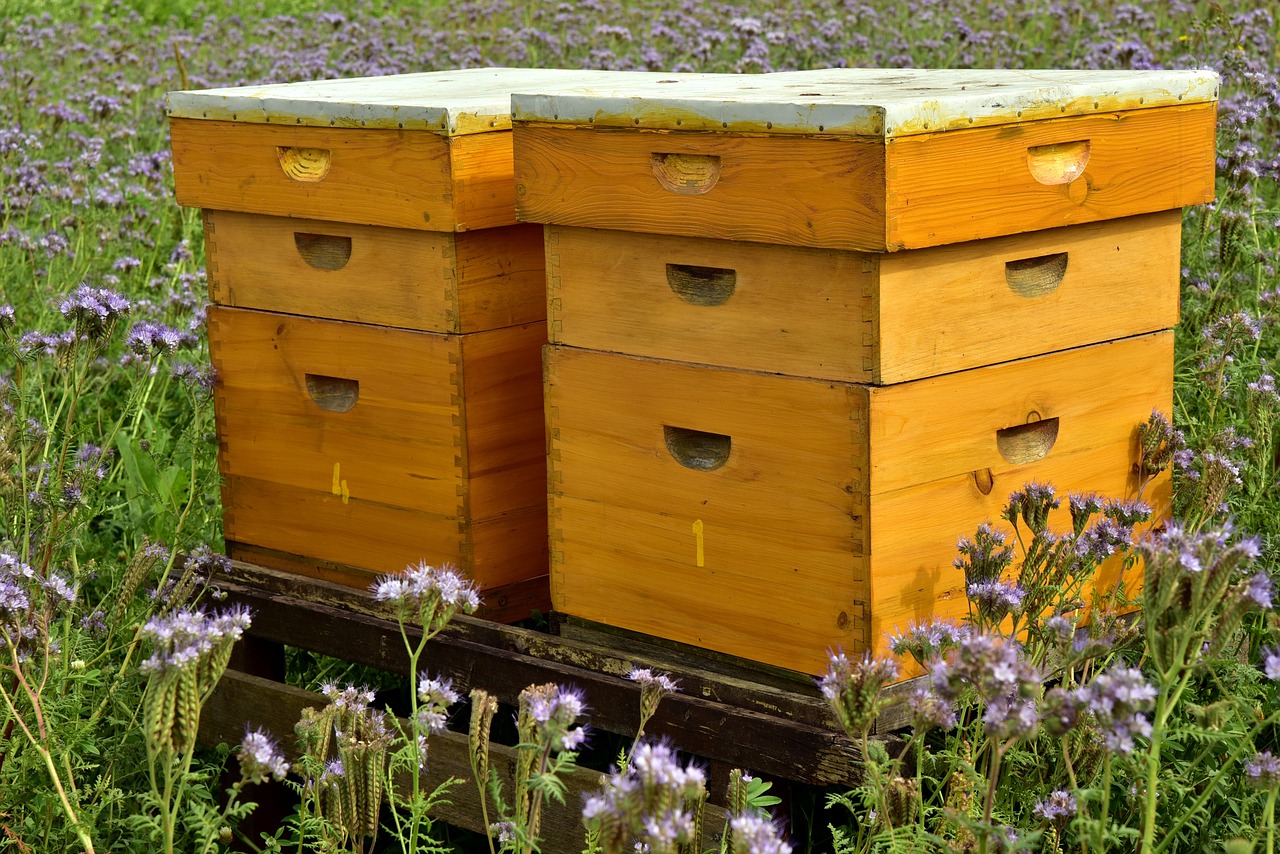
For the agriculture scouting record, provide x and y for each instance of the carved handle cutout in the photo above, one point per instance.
(696, 450)
(686, 174)
(333, 394)
(1058, 162)
(308, 165)
(323, 251)
(1036, 277)
(1026, 443)
(701, 285)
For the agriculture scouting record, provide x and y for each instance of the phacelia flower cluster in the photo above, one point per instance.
(181, 639)
(852, 688)
(433, 594)
(1118, 699)
(652, 803)
(260, 758)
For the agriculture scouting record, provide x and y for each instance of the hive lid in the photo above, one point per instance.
(858, 101)
(449, 103)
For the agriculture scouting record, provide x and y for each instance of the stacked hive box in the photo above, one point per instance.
(377, 327)
(810, 329)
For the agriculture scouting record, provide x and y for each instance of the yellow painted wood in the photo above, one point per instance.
(501, 277)
(784, 309)
(395, 178)
(806, 192)
(862, 317)
(982, 302)
(868, 193)
(501, 380)
(930, 437)
(834, 515)
(780, 532)
(349, 443)
(483, 184)
(431, 281)
(969, 184)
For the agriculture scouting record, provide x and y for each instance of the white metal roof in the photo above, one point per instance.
(858, 101)
(472, 100)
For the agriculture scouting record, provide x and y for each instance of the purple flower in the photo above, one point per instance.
(439, 591)
(1263, 770)
(1127, 513)
(204, 561)
(202, 378)
(753, 834)
(153, 339)
(547, 715)
(186, 637)
(1259, 590)
(60, 587)
(852, 688)
(349, 697)
(985, 557)
(996, 599)
(648, 802)
(1271, 663)
(1032, 504)
(928, 710)
(1082, 507)
(94, 310)
(928, 640)
(436, 696)
(1118, 698)
(1060, 711)
(92, 460)
(1006, 683)
(260, 757)
(1103, 538)
(1059, 805)
(646, 678)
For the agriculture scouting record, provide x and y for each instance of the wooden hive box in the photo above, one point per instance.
(812, 328)
(867, 317)
(867, 159)
(378, 325)
(775, 518)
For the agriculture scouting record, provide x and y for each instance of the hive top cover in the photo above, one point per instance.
(856, 101)
(449, 103)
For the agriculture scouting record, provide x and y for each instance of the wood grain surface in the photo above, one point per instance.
(969, 184)
(780, 568)
(406, 472)
(806, 192)
(862, 317)
(430, 281)
(396, 178)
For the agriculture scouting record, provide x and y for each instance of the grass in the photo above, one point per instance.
(108, 477)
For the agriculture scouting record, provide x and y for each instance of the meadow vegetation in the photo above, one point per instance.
(1159, 735)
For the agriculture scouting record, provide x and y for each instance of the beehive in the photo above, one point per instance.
(810, 329)
(377, 327)
(865, 159)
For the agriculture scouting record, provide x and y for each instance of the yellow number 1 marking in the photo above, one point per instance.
(697, 534)
(340, 485)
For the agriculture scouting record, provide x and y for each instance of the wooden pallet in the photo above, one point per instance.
(730, 713)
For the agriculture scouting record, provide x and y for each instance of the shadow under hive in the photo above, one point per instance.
(809, 328)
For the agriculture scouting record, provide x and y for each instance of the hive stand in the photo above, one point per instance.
(729, 714)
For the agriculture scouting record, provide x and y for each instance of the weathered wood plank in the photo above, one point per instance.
(766, 737)
(702, 673)
(748, 739)
(242, 699)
